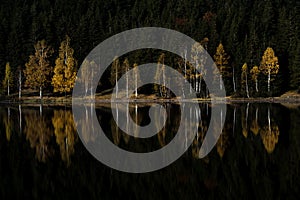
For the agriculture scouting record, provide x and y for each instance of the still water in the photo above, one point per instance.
(257, 155)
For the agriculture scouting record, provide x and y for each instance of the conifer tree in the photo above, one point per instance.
(65, 68)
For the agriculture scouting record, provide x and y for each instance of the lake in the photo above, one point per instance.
(256, 156)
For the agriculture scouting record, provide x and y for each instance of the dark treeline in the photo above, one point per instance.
(245, 28)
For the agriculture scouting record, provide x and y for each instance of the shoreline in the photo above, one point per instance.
(97, 100)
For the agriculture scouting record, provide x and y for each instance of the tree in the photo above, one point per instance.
(269, 65)
(38, 67)
(65, 68)
(245, 78)
(8, 79)
(222, 62)
(254, 74)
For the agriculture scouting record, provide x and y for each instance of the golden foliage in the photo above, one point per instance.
(269, 136)
(8, 79)
(65, 133)
(65, 68)
(222, 61)
(39, 135)
(269, 62)
(38, 67)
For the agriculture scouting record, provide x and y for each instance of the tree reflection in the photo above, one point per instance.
(255, 128)
(269, 134)
(65, 133)
(39, 135)
(7, 124)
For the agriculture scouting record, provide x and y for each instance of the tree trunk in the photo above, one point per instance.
(117, 89)
(8, 87)
(256, 85)
(247, 89)
(269, 80)
(136, 94)
(20, 84)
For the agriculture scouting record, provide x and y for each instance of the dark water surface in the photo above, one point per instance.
(256, 157)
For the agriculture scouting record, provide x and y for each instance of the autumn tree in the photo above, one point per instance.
(222, 62)
(38, 67)
(65, 68)
(254, 75)
(8, 79)
(269, 65)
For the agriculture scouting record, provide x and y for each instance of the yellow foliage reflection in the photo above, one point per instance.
(269, 136)
(39, 135)
(65, 133)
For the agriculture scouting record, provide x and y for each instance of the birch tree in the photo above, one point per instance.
(38, 67)
(254, 74)
(8, 79)
(269, 65)
(65, 68)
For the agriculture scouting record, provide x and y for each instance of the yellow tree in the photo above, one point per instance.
(38, 67)
(254, 74)
(269, 64)
(8, 79)
(222, 62)
(65, 68)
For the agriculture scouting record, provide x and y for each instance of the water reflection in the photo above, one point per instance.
(42, 128)
(263, 165)
(39, 135)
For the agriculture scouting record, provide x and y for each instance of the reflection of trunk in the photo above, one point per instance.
(117, 88)
(41, 93)
(234, 119)
(221, 82)
(41, 109)
(20, 119)
(136, 121)
(247, 112)
(269, 120)
(256, 116)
